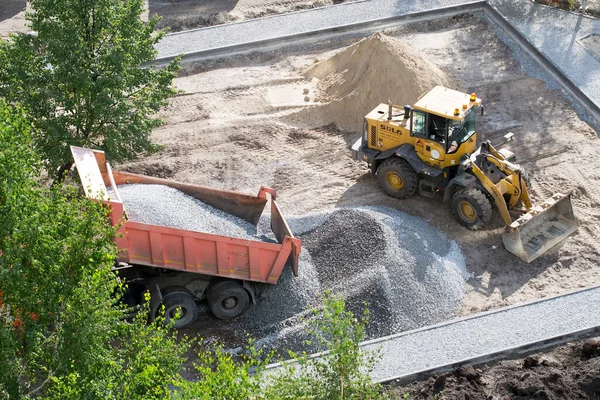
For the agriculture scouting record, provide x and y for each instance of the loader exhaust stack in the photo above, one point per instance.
(542, 228)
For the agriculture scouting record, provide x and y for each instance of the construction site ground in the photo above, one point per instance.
(238, 124)
(224, 132)
(230, 129)
(179, 15)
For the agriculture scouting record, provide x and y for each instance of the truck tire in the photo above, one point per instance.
(228, 299)
(471, 208)
(397, 178)
(181, 301)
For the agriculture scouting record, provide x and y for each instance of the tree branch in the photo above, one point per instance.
(37, 389)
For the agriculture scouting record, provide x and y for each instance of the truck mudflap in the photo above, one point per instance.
(542, 228)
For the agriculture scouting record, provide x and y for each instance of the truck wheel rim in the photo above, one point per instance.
(467, 211)
(394, 180)
(229, 302)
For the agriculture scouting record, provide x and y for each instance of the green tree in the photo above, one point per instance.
(342, 373)
(80, 79)
(221, 376)
(61, 334)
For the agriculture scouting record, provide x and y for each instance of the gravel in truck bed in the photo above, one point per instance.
(166, 206)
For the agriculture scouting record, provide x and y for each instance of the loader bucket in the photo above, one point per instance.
(542, 228)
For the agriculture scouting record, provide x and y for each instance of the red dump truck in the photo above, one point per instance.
(181, 267)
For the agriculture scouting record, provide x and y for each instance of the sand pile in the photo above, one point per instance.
(372, 71)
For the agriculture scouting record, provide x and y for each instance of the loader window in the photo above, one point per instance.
(461, 131)
(418, 127)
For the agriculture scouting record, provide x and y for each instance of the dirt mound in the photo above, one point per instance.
(568, 372)
(372, 71)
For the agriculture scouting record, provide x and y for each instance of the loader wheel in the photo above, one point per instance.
(471, 208)
(180, 308)
(228, 299)
(397, 178)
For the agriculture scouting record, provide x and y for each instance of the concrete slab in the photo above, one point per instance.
(483, 337)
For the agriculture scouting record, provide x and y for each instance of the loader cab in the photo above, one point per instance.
(445, 117)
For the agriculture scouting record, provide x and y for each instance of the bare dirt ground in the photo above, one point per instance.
(12, 17)
(224, 132)
(568, 372)
(592, 7)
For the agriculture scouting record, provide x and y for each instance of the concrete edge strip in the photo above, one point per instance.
(261, 44)
(446, 323)
(478, 315)
(554, 71)
(519, 351)
(248, 21)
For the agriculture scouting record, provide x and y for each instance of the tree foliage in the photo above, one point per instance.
(79, 77)
(221, 376)
(61, 333)
(342, 372)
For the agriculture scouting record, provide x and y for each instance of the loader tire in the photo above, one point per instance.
(180, 307)
(228, 299)
(471, 208)
(397, 178)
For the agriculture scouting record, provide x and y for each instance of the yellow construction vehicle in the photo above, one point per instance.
(431, 147)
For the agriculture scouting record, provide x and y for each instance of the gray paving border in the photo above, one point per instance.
(549, 36)
(567, 316)
(332, 31)
(589, 105)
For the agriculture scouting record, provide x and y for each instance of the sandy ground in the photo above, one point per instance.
(12, 17)
(180, 15)
(223, 132)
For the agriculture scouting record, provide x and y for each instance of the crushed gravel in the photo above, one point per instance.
(166, 206)
(407, 273)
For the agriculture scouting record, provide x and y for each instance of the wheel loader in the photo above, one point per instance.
(431, 147)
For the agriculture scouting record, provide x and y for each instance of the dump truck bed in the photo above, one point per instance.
(185, 250)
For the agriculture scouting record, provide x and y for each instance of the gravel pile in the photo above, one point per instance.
(166, 206)
(406, 271)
